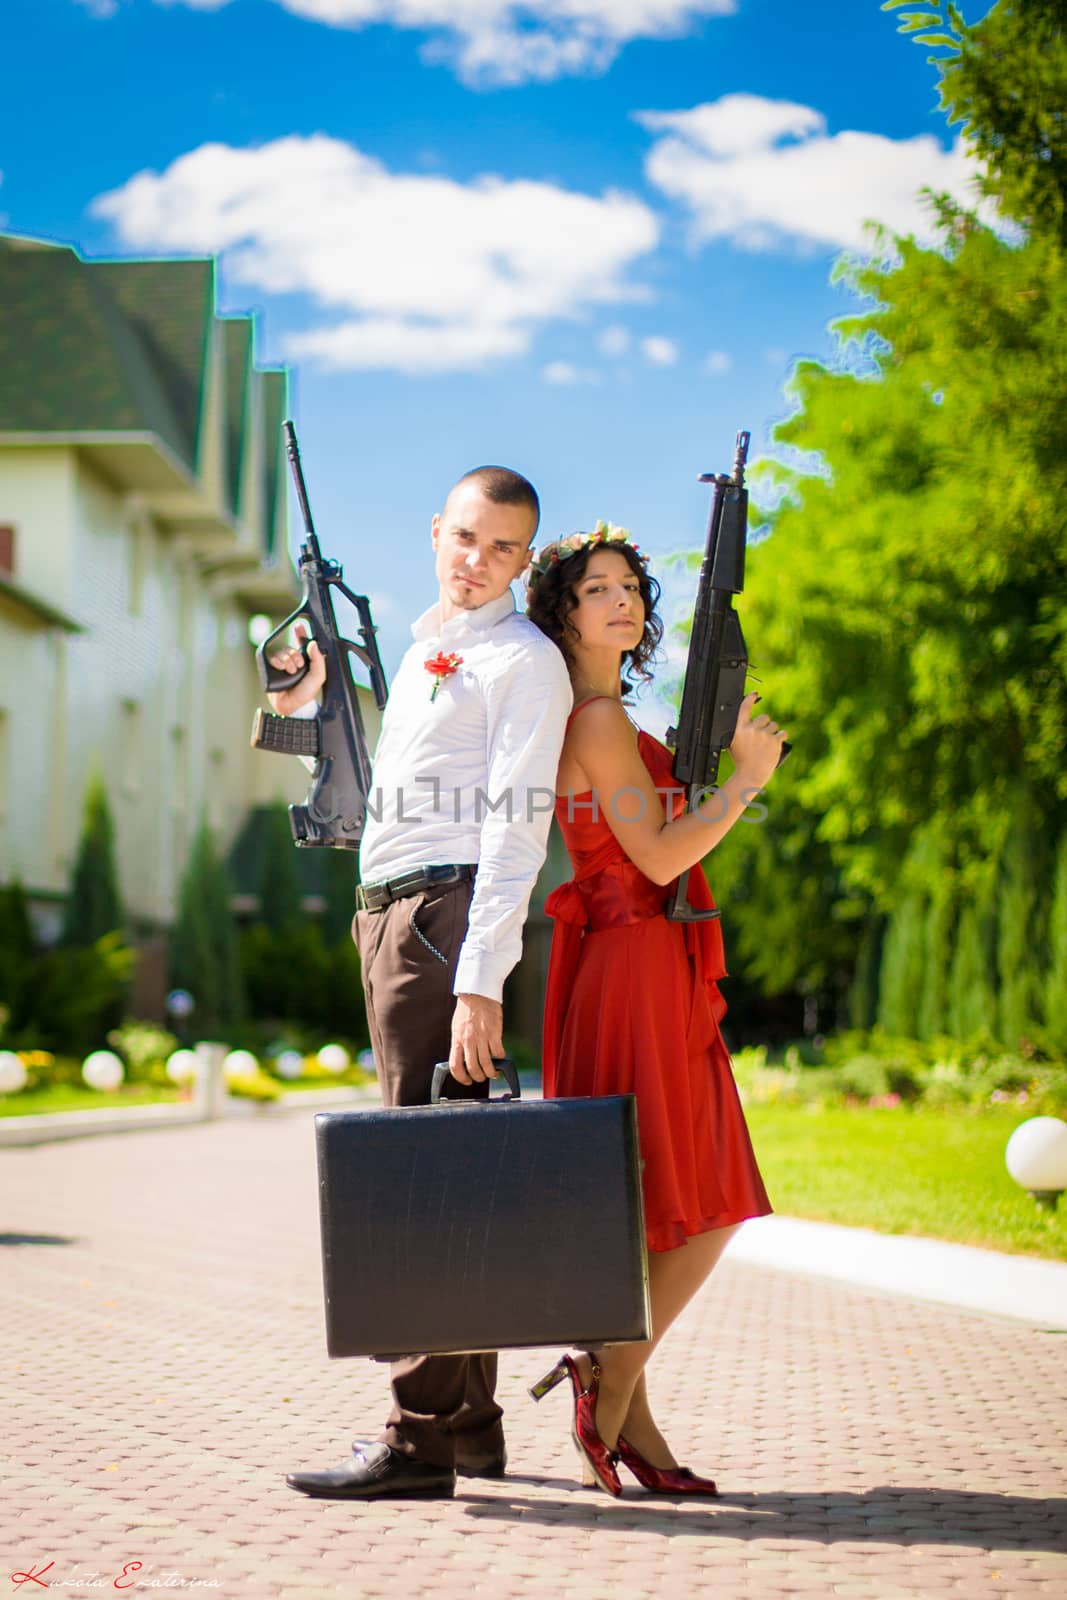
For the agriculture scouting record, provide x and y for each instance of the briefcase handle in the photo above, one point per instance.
(504, 1063)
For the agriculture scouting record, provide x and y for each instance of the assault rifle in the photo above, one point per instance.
(333, 742)
(717, 666)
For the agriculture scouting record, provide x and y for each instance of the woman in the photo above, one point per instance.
(632, 1004)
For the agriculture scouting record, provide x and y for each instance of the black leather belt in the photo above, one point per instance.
(376, 896)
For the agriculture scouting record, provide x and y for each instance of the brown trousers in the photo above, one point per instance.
(444, 1411)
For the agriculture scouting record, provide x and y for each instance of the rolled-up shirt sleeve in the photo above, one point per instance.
(528, 701)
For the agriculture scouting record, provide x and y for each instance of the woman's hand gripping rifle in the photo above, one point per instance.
(334, 739)
(717, 666)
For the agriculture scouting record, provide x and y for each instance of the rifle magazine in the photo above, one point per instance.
(289, 736)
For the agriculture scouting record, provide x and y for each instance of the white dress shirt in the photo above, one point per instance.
(470, 776)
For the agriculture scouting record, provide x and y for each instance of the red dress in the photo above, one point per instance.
(633, 1006)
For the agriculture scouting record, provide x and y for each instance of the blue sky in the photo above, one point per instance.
(584, 238)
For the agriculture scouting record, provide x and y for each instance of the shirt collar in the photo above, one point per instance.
(480, 620)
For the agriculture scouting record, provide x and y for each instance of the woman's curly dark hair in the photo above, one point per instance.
(550, 599)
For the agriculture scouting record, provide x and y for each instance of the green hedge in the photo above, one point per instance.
(874, 1069)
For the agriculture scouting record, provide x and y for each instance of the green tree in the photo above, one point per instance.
(863, 989)
(906, 594)
(287, 974)
(905, 958)
(1003, 79)
(16, 950)
(74, 996)
(1056, 984)
(910, 605)
(280, 899)
(972, 989)
(1022, 919)
(938, 941)
(93, 905)
(345, 1013)
(204, 951)
(923, 663)
(788, 923)
(339, 887)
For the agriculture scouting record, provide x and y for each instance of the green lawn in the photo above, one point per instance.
(79, 1097)
(937, 1173)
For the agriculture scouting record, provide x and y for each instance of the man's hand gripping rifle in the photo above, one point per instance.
(717, 666)
(336, 804)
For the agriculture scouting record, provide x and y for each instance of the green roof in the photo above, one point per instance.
(98, 347)
(169, 304)
(71, 361)
(275, 395)
(237, 351)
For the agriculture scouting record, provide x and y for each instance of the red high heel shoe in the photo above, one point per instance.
(590, 1446)
(664, 1480)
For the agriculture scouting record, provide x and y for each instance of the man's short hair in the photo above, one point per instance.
(504, 488)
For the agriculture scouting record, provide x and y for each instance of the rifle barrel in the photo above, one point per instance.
(292, 450)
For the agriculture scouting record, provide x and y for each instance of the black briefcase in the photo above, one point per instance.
(482, 1225)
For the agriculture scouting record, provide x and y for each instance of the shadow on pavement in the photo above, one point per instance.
(36, 1238)
(904, 1516)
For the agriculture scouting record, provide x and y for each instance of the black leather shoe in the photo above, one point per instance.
(475, 1466)
(375, 1472)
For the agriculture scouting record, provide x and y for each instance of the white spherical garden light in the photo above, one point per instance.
(239, 1064)
(334, 1057)
(182, 1066)
(1036, 1157)
(289, 1064)
(12, 1072)
(103, 1070)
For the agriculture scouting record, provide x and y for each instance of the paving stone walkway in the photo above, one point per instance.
(163, 1366)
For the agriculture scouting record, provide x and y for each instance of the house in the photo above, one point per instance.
(143, 538)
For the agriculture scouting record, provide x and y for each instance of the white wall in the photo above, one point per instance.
(157, 693)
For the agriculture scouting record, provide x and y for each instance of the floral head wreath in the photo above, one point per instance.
(608, 533)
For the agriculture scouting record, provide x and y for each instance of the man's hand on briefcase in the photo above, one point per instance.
(477, 1036)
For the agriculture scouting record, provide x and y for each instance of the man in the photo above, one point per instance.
(464, 777)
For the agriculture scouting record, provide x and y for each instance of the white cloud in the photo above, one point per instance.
(736, 125)
(614, 341)
(511, 41)
(765, 173)
(717, 363)
(661, 352)
(422, 273)
(566, 373)
(406, 345)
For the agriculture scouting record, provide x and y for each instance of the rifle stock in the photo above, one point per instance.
(334, 739)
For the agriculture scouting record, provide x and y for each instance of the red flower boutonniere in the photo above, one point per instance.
(442, 666)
